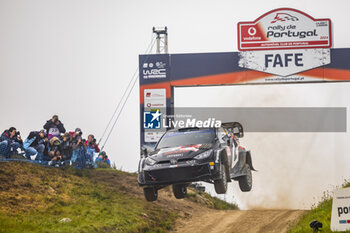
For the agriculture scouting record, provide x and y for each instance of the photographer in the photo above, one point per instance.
(53, 151)
(10, 141)
(35, 144)
(91, 147)
(54, 127)
(78, 146)
(66, 146)
(102, 160)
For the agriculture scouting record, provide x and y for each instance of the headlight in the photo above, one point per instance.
(150, 161)
(204, 155)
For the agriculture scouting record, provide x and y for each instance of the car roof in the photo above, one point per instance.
(189, 129)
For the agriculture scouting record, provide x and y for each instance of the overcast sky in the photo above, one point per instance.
(75, 58)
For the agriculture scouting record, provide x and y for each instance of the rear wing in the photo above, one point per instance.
(234, 127)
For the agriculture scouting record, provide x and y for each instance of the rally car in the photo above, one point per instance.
(186, 155)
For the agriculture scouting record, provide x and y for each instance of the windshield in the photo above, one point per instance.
(185, 138)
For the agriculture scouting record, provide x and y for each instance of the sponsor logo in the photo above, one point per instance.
(284, 28)
(175, 155)
(173, 161)
(160, 65)
(154, 73)
(155, 70)
(152, 120)
(155, 98)
(282, 17)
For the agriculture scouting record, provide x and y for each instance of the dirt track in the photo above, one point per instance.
(240, 221)
(198, 218)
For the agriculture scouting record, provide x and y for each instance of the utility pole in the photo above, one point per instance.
(162, 39)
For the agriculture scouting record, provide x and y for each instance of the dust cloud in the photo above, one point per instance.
(294, 169)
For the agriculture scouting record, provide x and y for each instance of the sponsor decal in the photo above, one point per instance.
(284, 28)
(152, 119)
(284, 62)
(153, 136)
(175, 155)
(180, 150)
(340, 220)
(155, 70)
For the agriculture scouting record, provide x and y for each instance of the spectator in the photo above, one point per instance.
(66, 146)
(103, 159)
(91, 147)
(52, 150)
(34, 145)
(78, 146)
(10, 141)
(54, 127)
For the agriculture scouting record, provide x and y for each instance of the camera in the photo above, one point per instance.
(82, 142)
(55, 119)
(94, 140)
(18, 134)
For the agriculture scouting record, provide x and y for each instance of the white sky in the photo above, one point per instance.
(74, 58)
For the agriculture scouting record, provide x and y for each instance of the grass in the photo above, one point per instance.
(35, 199)
(322, 213)
(211, 202)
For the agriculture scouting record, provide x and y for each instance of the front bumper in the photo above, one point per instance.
(179, 173)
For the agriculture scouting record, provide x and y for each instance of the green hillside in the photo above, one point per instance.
(46, 199)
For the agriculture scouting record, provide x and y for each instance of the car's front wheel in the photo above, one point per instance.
(151, 193)
(179, 190)
(246, 182)
(221, 184)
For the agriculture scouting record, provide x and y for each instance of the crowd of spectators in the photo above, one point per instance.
(53, 145)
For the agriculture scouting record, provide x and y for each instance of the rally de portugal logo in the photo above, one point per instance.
(284, 28)
(152, 119)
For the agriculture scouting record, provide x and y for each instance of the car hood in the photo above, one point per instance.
(179, 152)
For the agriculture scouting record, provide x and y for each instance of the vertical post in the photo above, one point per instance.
(166, 41)
(162, 40)
(158, 44)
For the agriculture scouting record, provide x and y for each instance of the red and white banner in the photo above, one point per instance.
(284, 28)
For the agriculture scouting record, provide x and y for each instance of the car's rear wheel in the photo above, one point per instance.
(151, 193)
(246, 182)
(179, 190)
(221, 184)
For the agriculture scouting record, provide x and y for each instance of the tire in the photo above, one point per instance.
(221, 184)
(246, 182)
(151, 194)
(179, 190)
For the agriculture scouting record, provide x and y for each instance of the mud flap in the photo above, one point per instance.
(240, 169)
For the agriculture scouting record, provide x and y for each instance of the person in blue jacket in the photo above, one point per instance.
(34, 145)
(103, 158)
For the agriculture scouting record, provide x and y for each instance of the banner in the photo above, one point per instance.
(284, 28)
